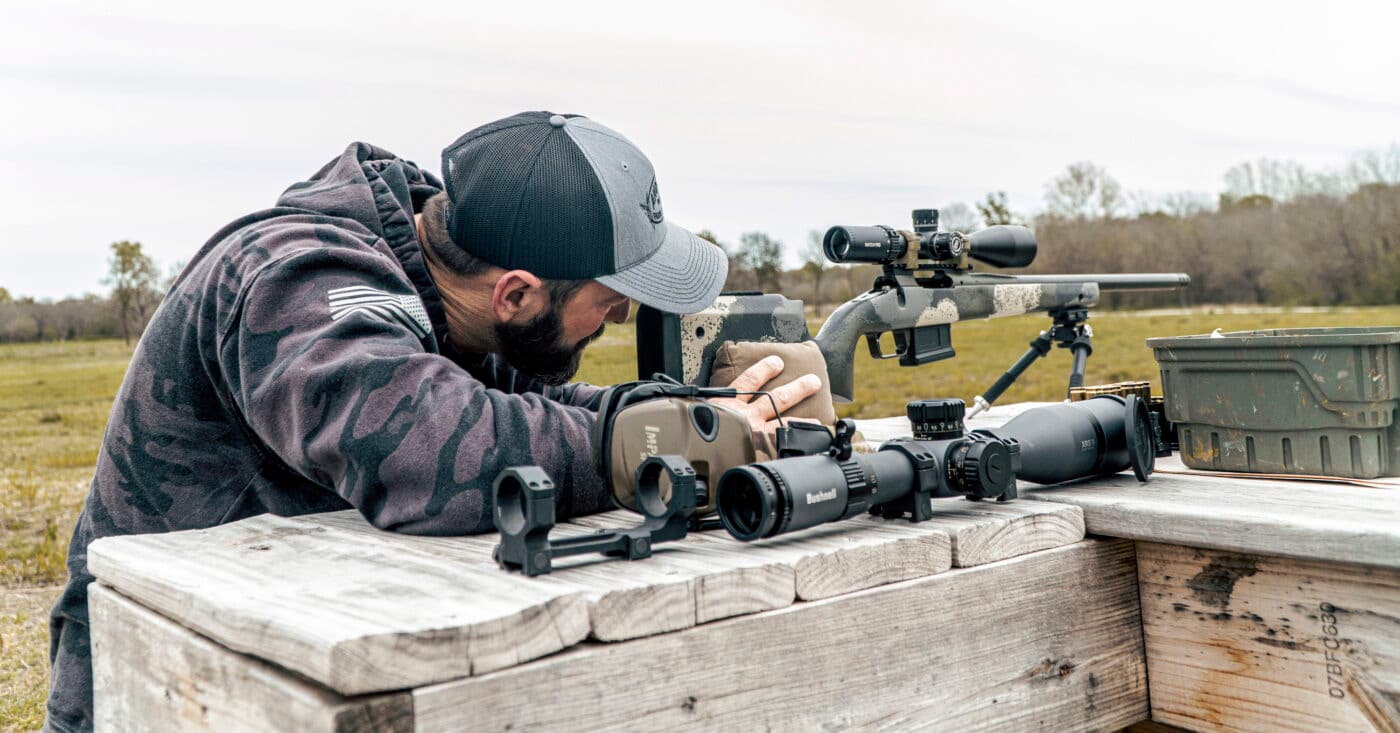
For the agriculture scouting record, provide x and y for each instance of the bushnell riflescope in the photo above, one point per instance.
(1002, 245)
(1103, 435)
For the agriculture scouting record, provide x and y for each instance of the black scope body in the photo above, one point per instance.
(1094, 437)
(787, 494)
(1001, 246)
(1044, 445)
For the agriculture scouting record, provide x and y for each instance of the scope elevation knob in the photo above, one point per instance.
(988, 471)
(936, 419)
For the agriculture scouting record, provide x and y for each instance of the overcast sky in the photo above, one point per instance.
(160, 122)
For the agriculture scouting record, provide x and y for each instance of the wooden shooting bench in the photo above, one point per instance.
(1196, 601)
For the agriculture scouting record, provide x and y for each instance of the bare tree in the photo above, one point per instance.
(1084, 191)
(1375, 166)
(764, 256)
(994, 210)
(135, 282)
(1279, 180)
(814, 264)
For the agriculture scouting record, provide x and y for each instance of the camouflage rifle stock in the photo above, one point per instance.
(926, 286)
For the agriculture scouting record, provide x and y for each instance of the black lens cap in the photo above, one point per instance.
(1137, 430)
(987, 469)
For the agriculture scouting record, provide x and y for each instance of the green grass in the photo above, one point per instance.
(985, 349)
(54, 400)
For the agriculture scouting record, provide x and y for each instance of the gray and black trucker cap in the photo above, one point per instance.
(565, 197)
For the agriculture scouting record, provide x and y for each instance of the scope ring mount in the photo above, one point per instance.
(524, 515)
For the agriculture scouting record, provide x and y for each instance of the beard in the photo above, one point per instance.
(538, 348)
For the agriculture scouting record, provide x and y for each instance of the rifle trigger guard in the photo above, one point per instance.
(873, 341)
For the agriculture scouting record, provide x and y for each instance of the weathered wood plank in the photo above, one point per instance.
(1048, 640)
(356, 612)
(1332, 522)
(154, 674)
(988, 531)
(718, 576)
(1245, 642)
(624, 600)
(817, 562)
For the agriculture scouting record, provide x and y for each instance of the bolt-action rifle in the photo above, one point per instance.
(926, 284)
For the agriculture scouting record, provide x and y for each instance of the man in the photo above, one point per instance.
(381, 341)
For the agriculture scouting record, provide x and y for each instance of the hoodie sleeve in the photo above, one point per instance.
(325, 360)
(496, 372)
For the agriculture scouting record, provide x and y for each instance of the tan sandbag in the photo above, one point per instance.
(799, 359)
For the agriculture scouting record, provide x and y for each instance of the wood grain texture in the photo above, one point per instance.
(157, 675)
(710, 576)
(987, 531)
(1049, 640)
(822, 561)
(353, 611)
(1333, 522)
(624, 600)
(1246, 642)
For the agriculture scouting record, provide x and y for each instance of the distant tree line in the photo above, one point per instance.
(1278, 234)
(136, 290)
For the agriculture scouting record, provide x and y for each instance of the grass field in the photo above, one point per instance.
(54, 400)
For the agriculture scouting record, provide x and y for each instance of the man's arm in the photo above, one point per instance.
(502, 376)
(356, 404)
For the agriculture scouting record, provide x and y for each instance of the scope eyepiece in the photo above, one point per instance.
(878, 244)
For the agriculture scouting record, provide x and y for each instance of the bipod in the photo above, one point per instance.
(1068, 330)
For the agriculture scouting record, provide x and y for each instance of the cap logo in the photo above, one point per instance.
(652, 204)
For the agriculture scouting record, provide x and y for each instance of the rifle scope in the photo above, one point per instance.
(1001, 246)
(1099, 436)
(787, 494)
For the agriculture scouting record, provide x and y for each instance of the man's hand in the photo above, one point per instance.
(759, 409)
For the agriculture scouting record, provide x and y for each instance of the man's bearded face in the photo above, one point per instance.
(538, 347)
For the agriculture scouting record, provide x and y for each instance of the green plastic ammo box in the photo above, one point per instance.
(1289, 400)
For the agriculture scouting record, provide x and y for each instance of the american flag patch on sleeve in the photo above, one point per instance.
(406, 310)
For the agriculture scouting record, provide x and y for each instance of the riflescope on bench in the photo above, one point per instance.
(1044, 445)
(524, 515)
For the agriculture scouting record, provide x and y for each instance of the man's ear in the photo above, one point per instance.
(518, 294)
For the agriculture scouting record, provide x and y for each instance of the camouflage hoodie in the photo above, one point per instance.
(299, 365)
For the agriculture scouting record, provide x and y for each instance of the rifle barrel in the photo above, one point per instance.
(1126, 281)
